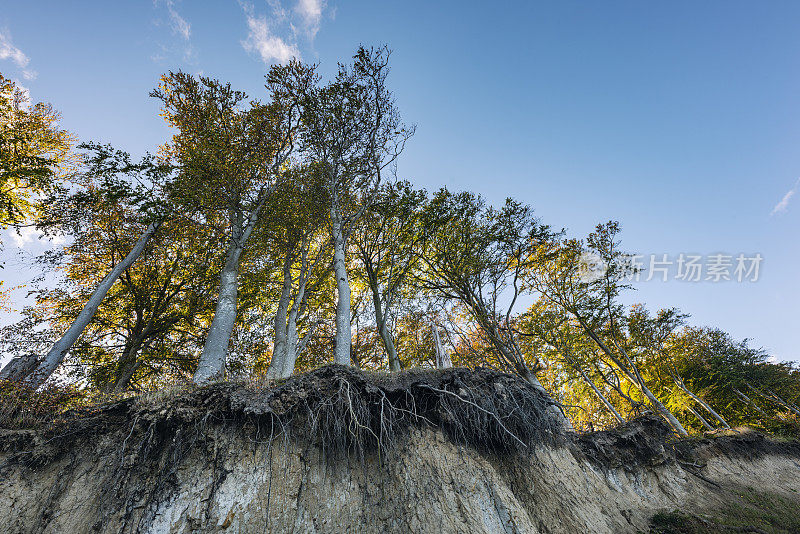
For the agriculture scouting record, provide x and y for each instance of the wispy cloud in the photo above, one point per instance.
(178, 23)
(310, 12)
(781, 206)
(9, 51)
(262, 40)
(180, 27)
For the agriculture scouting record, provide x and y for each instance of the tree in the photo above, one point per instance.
(560, 274)
(387, 242)
(738, 380)
(352, 131)
(116, 177)
(654, 335)
(33, 149)
(554, 330)
(230, 156)
(476, 255)
(155, 315)
(296, 234)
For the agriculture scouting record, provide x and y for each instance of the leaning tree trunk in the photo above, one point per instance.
(126, 366)
(343, 332)
(632, 373)
(215, 350)
(659, 406)
(19, 368)
(772, 396)
(750, 402)
(601, 396)
(679, 381)
(575, 365)
(56, 355)
(509, 351)
(700, 418)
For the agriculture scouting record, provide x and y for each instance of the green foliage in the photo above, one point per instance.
(32, 152)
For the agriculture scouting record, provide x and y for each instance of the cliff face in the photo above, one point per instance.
(220, 460)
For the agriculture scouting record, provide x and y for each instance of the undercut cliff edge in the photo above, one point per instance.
(339, 450)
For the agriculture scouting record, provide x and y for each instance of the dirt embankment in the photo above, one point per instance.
(337, 450)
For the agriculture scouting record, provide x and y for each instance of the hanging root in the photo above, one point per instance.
(341, 410)
(347, 411)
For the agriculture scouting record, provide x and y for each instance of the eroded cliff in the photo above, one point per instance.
(341, 451)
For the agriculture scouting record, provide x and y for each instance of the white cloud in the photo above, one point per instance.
(311, 13)
(29, 234)
(178, 23)
(180, 27)
(270, 47)
(9, 51)
(781, 206)
(24, 236)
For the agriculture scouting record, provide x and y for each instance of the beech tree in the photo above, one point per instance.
(558, 273)
(352, 132)
(108, 176)
(151, 321)
(231, 155)
(556, 332)
(653, 336)
(33, 150)
(387, 242)
(740, 383)
(476, 255)
(296, 234)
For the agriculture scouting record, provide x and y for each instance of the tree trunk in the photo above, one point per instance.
(633, 374)
(56, 355)
(388, 344)
(700, 418)
(776, 399)
(671, 419)
(381, 323)
(279, 348)
(343, 332)
(126, 366)
(19, 368)
(442, 358)
(124, 380)
(750, 402)
(701, 402)
(292, 341)
(215, 350)
(601, 396)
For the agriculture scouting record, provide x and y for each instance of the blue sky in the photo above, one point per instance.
(677, 119)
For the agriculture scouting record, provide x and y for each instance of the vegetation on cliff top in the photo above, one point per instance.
(273, 236)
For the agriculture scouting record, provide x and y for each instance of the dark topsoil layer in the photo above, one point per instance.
(346, 411)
